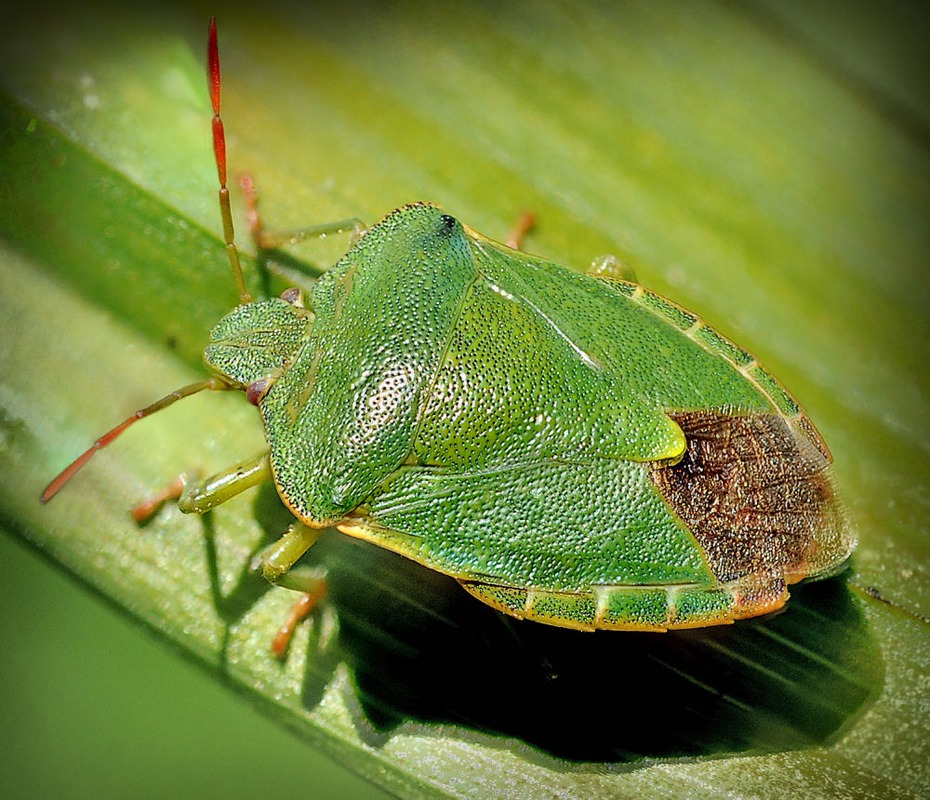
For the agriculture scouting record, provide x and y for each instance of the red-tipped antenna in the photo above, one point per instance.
(216, 383)
(71, 470)
(219, 150)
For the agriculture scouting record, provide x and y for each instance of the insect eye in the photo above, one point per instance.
(256, 391)
(294, 296)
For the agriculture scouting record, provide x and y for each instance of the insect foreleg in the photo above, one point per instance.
(271, 240)
(200, 496)
(268, 244)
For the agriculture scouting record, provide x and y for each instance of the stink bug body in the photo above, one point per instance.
(571, 447)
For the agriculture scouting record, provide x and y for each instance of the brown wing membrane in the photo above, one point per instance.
(757, 497)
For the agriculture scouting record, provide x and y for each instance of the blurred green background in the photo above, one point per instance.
(765, 164)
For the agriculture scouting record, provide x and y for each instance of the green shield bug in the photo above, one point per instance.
(571, 447)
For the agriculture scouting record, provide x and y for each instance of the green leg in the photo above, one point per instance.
(277, 559)
(276, 562)
(271, 240)
(199, 497)
(268, 243)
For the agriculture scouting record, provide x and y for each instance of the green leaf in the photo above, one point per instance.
(740, 157)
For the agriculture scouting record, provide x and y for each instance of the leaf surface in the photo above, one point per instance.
(728, 152)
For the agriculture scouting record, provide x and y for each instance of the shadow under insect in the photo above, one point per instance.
(422, 652)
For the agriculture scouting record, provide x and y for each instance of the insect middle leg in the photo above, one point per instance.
(275, 561)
